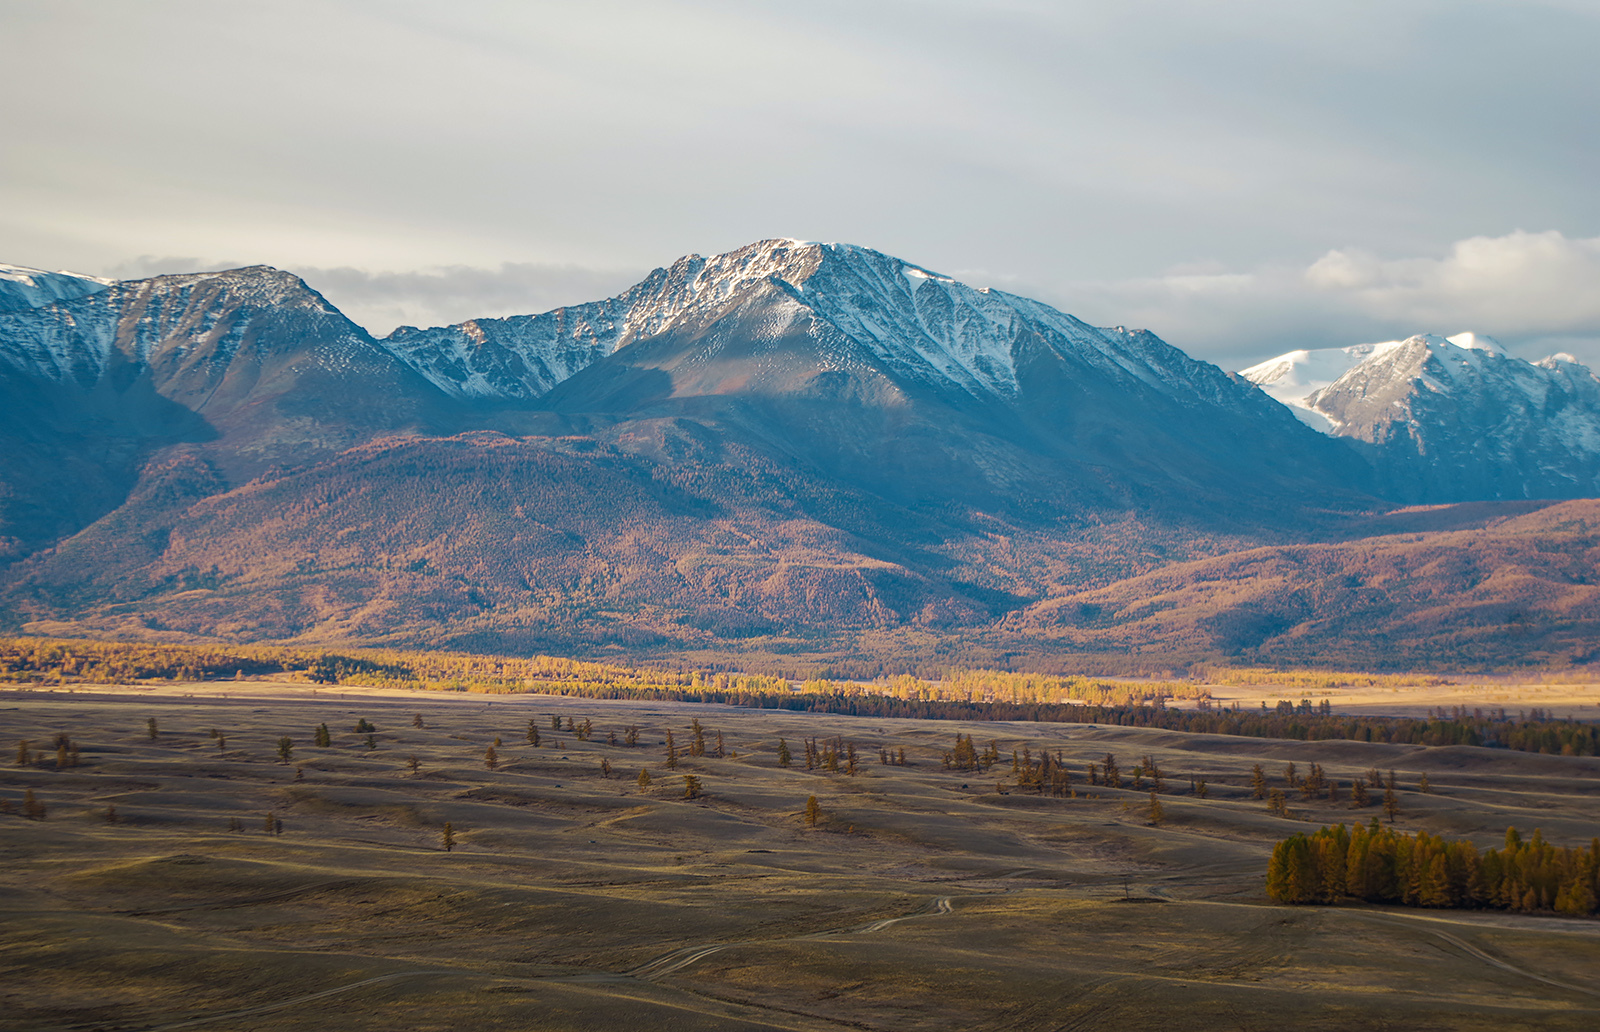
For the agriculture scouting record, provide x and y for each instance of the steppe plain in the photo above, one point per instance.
(924, 898)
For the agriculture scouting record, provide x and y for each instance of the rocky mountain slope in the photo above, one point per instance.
(1451, 419)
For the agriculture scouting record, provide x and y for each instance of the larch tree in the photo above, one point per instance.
(813, 812)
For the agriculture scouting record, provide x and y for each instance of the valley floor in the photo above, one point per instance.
(924, 898)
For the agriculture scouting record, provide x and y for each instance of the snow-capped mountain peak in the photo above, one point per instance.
(1442, 413)
(22, 287)
(920, 325)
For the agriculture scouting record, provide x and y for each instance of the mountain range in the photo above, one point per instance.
(792, 447)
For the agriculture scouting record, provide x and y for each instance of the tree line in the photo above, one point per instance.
(963, 695)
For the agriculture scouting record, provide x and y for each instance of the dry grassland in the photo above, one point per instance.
(925, 899)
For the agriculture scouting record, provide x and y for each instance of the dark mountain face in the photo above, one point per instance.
(251, 364)
(790, 439)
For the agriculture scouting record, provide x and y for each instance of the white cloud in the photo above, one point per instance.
(1520, 284)
(1536, 292)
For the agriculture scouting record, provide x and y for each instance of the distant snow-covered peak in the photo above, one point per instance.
(1297, 377)
(22, 287)
(1476, 341)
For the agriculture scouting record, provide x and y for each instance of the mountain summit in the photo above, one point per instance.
(1450, 418)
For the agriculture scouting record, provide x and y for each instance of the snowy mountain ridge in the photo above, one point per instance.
(926, 326)
(1453, 414)
(22, 287)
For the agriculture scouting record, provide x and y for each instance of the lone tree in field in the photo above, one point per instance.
(1391, 802)
(1358, 794)
(784, 756)
(448, 839)
(605, 768)
(285, 749)
(1157, 815)
(150, 727)
(412, 763)
(22, 753)
(491, 759)
(644, 780)
(1112, 775)
(533, 733)
(416, 721)
(1278, 803)
(33, 809)
(1258, 782)
(813, 812)
(364, 727)
(1424, 787)
(672, 751)
(691, 787)
(323, 736)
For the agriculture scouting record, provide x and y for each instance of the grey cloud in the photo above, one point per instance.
(380, 301)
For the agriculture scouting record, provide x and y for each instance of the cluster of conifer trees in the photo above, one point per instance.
(1380, 865)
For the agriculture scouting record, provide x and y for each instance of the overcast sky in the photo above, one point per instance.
(1240, 177)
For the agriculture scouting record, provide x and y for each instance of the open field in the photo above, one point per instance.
(1578, 699)
(925, 898)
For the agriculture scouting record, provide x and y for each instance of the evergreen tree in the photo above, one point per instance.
(32, 808)
(1258, 782)
(448, 838)
(672, 751)
(1291, 775)
(1277, 803)
(644, 779)
(1358, 794)
(285, 749)
(1423, 786)
(533, 733)
(630, 738)
(605, 768)
(1391, 803)
(691, 787)
(416, 721)
(1200, 788)
(22, 753)
(784, 757)
(151, 728)
(1157, 815)
(372, 741)
(322, 736)
(491, 759)
(813, 812)
(1112, 775)
(411, 762)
